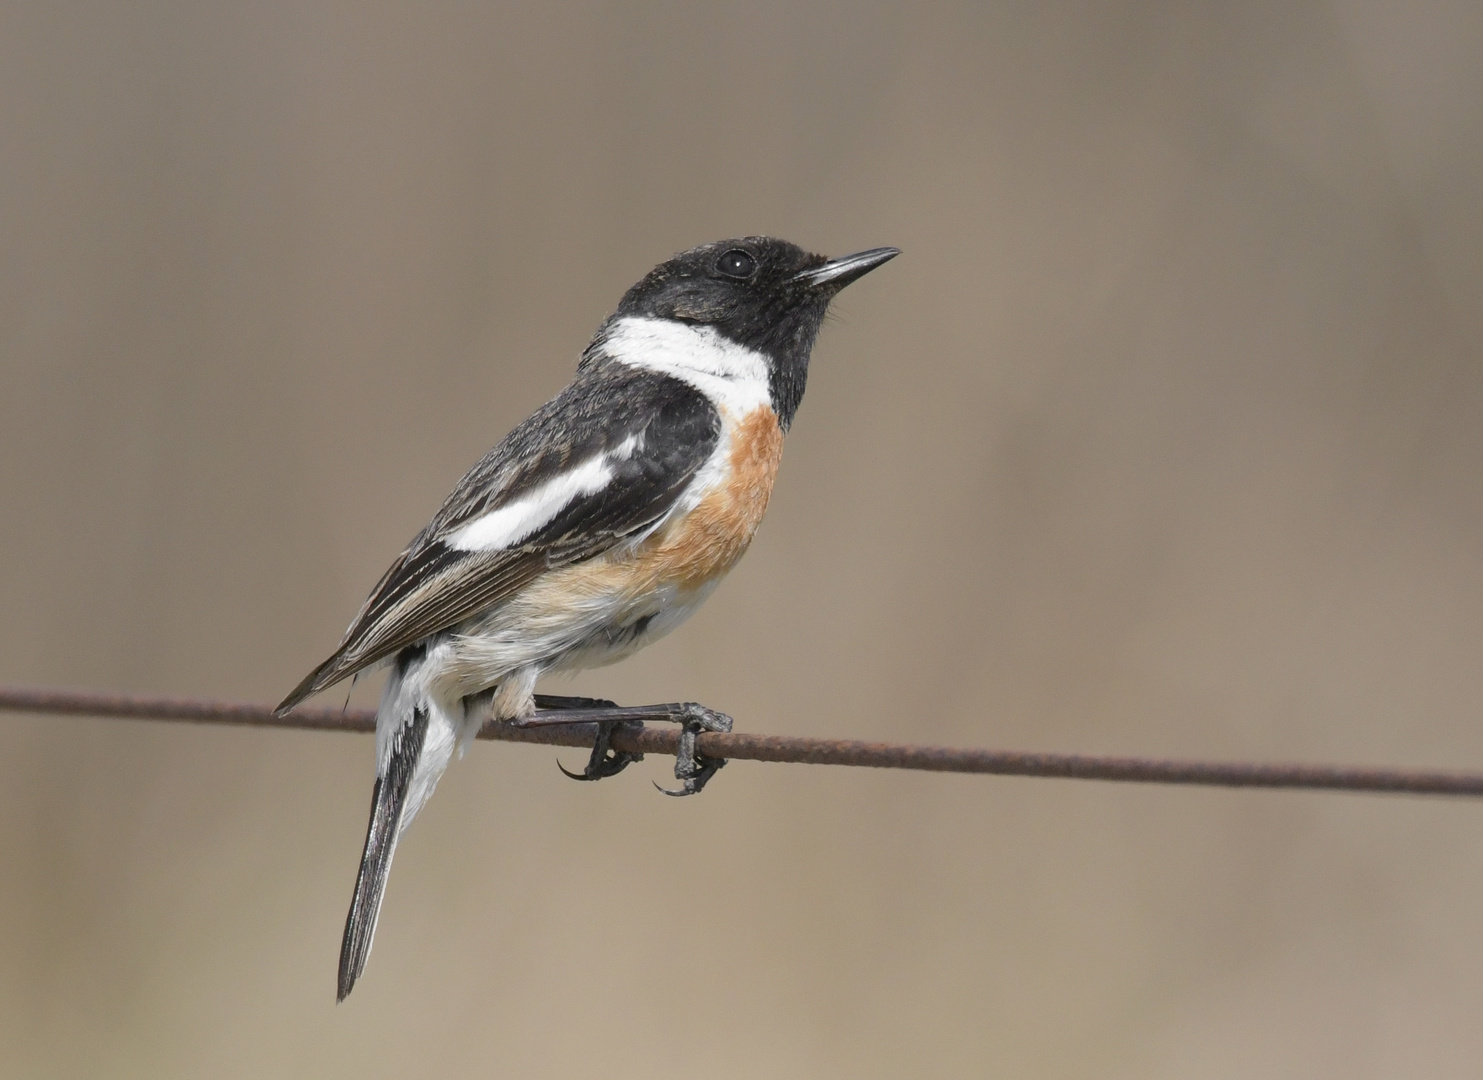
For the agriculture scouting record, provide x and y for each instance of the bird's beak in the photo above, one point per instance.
(837, 273)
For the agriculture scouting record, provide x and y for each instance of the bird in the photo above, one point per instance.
(592, 529)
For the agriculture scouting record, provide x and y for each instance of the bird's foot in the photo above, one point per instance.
(692, 769)
(605, 761)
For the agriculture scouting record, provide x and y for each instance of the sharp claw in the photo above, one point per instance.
(694, 784)
(569, 774)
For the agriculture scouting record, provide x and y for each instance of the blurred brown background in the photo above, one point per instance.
(1161, 437)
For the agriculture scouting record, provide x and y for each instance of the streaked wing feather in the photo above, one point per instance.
(427, 604)
(432, 586)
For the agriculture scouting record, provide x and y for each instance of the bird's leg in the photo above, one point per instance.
(547, 703)
(692, 769)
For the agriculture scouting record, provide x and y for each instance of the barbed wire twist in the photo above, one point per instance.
(741, 746)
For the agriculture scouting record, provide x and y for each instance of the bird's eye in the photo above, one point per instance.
(736, 263)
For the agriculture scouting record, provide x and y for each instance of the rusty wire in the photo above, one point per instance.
(740, 746)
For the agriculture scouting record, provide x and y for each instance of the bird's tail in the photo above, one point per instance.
(388, 805)
(416, 738)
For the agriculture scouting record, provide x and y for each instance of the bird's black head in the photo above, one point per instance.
(765, 294)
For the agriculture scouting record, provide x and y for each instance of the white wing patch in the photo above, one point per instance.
(731, 375)
(513, 522)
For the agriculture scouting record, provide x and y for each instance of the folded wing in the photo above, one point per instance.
(603, 461)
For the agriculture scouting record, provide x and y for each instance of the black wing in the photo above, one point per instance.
(433, 586)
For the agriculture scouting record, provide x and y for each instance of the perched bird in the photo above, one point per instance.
(593, 528)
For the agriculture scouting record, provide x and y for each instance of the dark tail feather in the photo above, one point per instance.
(387, 803)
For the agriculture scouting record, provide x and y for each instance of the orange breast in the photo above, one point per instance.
(709, 540)
(610, 591)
